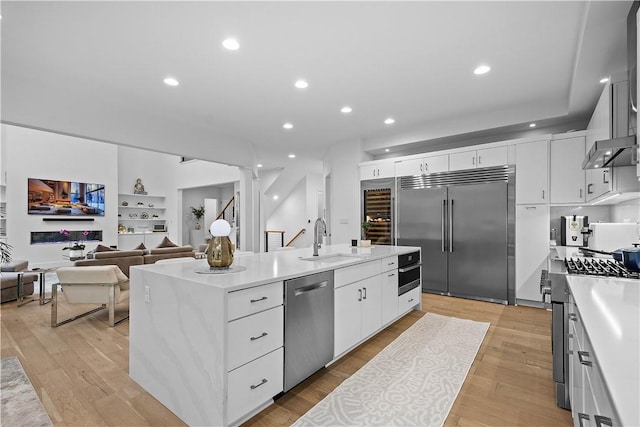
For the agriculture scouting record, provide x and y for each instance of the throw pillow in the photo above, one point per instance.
(141, 246)
(166, 243)
(103, 248)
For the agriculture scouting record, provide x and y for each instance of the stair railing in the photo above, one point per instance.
(222, 212)
(298, 234)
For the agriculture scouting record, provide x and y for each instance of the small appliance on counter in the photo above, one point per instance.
(571, 230)
(610, 236)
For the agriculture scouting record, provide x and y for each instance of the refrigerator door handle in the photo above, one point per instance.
(444, 220)
(451, 225)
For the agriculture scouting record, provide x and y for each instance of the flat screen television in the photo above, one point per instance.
(64, 198)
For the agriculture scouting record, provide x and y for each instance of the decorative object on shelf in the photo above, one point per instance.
(155, 216)
(140, 204)
(76, 248)
(125, 203)
(220, 250)
(144, 215)
(133, 215)
(130, 230)
(121, 229)
(198, 213)
(138, 188)
(150, 205)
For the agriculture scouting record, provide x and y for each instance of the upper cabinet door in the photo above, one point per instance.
(378, 170)
(464, 160)
(567, 175)
(532, 174)
(436, 164)
(488, 157)
(409, 167)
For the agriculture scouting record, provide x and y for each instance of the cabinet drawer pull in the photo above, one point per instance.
(411, 300)
(364, 292)
(391, 263)
(360, 294)
(264, 334)
(479, 160)
(602, 421)
(582, 417)
(581, 193)
(589, 188)
(604, 176)
(582, 357)
(542, 194)
(391, 275)
(258, 300)
(264, 381)
(572, 316)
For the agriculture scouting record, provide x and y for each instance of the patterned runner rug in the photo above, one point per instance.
(20, 403)
(412, 382)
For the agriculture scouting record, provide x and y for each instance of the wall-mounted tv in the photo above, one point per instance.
(65, 198)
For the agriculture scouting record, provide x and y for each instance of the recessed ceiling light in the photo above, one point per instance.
(170, 81)
(292, 156)
(287, 126)
(275, 197)
(231, 44)
(346, 109)
(608, 153)
(301, 84)
(482, 69)
(259, 165)
(386, 150)
(389, 121)
(596, 166)
(532, 125)
(604, 80)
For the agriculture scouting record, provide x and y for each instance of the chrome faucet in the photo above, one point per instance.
(319, 230)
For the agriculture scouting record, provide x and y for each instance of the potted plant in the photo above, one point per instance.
(5, 252)
(198, 213)
(366, 225)
(76, 247)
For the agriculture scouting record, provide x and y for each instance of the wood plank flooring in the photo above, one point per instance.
(80, 370)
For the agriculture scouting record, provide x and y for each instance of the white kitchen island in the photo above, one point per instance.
(209, 346)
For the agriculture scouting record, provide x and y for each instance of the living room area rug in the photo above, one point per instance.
(411, 382)
(20, 403)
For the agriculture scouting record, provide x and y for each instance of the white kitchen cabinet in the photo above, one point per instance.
(590, 401)
(358, 312)
(422, 166)
(532, 250)
(481, 158)
(409, 300)
(377, 170)
(389, 284)
(567, 178)
(532, 174)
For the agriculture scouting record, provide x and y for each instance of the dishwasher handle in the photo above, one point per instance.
(310, 288)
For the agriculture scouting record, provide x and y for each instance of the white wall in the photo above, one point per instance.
(290, 215)
(341, 162)
(37, 154)
(628, 211)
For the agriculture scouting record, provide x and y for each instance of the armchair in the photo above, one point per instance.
(105, 284)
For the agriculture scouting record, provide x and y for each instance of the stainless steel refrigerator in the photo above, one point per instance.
(464, 223)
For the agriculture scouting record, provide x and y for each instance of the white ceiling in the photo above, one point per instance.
(95, 69)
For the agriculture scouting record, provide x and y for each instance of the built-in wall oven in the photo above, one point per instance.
(409, 272)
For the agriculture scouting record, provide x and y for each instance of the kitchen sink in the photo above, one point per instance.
(333, 258)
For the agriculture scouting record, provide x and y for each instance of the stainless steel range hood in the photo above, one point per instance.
(612, 152)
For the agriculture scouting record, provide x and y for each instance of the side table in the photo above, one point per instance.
(41, 272)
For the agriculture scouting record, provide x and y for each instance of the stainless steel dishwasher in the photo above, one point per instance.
(308, 326)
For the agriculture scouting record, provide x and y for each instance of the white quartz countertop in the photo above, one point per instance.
(610, 311)
(262, 268)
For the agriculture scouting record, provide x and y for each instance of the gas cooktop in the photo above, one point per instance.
(599, 267)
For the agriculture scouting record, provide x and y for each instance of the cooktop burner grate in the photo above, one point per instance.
(599, 267)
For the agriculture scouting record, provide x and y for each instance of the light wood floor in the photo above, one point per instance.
(79, 370)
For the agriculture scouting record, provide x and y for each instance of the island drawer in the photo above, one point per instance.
(344, 276)
(253, 300)
(253, 336)
(409, 300)
(389, 263)
(253, 384)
